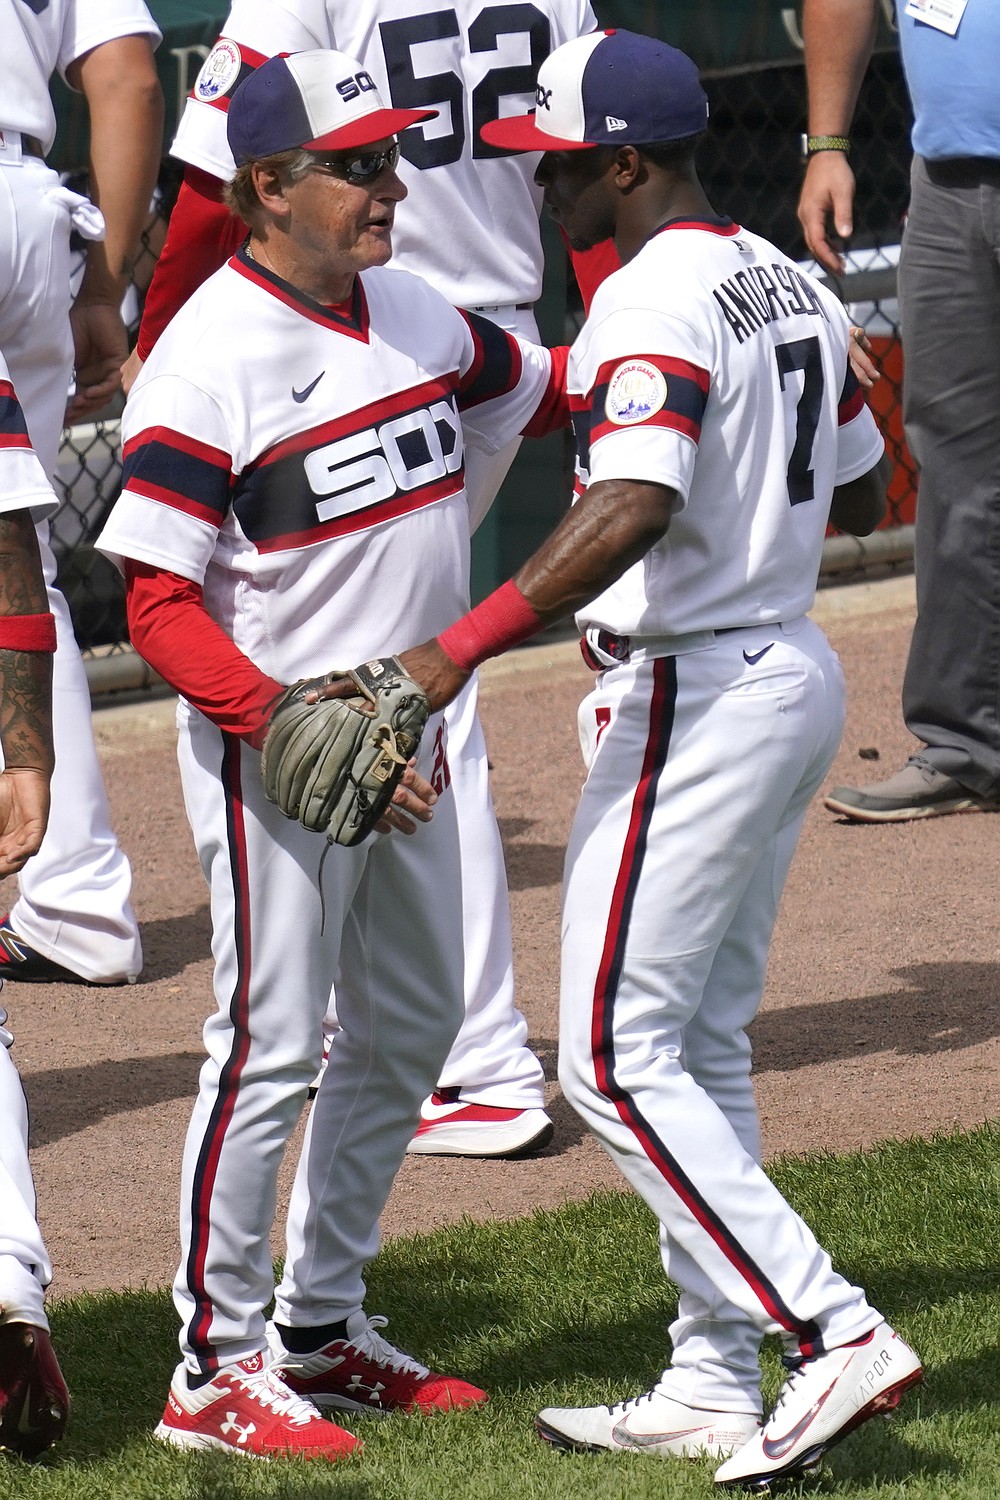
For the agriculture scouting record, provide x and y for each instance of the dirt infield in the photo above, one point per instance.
(880, 1018)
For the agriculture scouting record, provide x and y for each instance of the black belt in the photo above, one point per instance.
(963, 171)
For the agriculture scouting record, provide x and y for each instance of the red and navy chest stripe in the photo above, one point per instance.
(387, 459)
(13, 428)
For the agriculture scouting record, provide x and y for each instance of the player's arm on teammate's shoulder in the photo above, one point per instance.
(838, 36)
(612, 526)
(25, 692)
(118, 78)
(860, 505)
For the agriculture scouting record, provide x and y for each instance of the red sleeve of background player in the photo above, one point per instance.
(203, 234)
(590, 267)
(171, 629)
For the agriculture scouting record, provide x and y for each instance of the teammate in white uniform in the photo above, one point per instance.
(717, 420)
(293, 499)
(33, 1397)
(470, 227)
(73, 918)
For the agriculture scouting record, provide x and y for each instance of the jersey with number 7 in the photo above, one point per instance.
(471, 229)
(712, 345)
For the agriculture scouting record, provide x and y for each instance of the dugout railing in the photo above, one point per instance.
(751, 167)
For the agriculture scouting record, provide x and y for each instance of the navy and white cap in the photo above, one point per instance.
(609, 88)
(320, 101)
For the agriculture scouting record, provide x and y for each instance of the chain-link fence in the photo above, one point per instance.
(751, 166)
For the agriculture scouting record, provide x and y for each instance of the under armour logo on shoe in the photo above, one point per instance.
(356, 1384)
(231, 1425)
(613, 123)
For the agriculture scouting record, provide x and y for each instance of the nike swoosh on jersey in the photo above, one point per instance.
(752, 658)
(304, 394)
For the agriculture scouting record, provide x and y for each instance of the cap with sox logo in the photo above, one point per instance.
(320, 101)
(606, 89)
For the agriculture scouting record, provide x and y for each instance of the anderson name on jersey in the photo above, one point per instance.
(318, 494)
(472, 227)
(746, 370)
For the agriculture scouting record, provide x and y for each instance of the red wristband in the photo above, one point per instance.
(27, 632)
(502, 620)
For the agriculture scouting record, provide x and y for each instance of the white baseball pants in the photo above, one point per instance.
(74, 902)
(25, 1270)
(700, 768)
(389, 913)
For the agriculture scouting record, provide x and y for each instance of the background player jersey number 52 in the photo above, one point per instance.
(414, 44)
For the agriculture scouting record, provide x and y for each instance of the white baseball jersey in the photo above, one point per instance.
(744, 366)
(22, 478)
(470, 224)
(317, 490)
(43, 36)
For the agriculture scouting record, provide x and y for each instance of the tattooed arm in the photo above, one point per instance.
(25, 700)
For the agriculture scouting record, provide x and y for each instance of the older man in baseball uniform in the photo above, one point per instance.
(469, 226)
(719, 427)
(294, 499)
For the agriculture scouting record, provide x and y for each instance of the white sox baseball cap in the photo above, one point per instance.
(320, 101)
(609, 88)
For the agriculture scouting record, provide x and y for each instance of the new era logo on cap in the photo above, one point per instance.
(320, 101)
(604, 89)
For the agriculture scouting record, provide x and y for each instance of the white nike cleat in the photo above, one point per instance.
(653, 1423)
(451, 1126)
(822, 1400)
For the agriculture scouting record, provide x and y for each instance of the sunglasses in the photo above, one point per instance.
(357, 170)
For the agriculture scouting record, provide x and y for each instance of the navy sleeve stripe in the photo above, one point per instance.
(496, 368)
(165, 472)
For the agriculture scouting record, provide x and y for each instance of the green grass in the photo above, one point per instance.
(570, 1307)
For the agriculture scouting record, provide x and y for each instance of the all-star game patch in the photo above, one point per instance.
(636, 391)
(219, 71)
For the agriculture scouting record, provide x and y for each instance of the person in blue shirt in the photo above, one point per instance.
(949, 297)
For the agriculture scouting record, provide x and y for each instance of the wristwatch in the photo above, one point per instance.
(813, 144)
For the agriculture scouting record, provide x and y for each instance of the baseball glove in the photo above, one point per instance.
(335, 764)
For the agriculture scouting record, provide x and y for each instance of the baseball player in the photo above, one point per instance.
(293, 499)
(719, 426)
(73, 919)
(33, 1397)
(470, 227)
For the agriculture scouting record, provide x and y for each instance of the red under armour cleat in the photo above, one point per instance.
(364, 1372)
(247, 1409)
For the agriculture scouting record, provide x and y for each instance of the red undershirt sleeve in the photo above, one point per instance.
(172, 630)
(203, 234)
